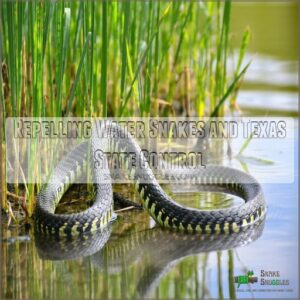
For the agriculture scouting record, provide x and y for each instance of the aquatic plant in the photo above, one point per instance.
(128, 58)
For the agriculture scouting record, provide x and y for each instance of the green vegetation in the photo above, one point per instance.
(114, 58)
(125, 58)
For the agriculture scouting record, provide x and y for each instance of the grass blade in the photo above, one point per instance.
(65, 44)
(104, 58)
(48, 18)
(246, 143)
(229, 91)
(124, 45)
(85, 48)
(123, 105)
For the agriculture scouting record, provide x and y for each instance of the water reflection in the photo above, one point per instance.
(153, 252)
(128, 260)
(58, 248)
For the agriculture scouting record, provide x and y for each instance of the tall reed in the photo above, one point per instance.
(67, 58)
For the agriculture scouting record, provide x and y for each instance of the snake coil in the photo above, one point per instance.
(157, 203)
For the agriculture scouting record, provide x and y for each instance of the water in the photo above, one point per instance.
(139, 260)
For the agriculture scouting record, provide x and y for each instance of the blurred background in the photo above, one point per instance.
(271, 83)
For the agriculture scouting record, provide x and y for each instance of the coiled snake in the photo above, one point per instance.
(166, 212)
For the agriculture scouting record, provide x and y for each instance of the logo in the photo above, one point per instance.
(245, 279)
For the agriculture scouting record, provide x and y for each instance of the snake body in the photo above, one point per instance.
(166, 212)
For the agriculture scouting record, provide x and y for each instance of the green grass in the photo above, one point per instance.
(108, 58)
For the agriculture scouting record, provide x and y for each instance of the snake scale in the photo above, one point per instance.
(166, 212)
